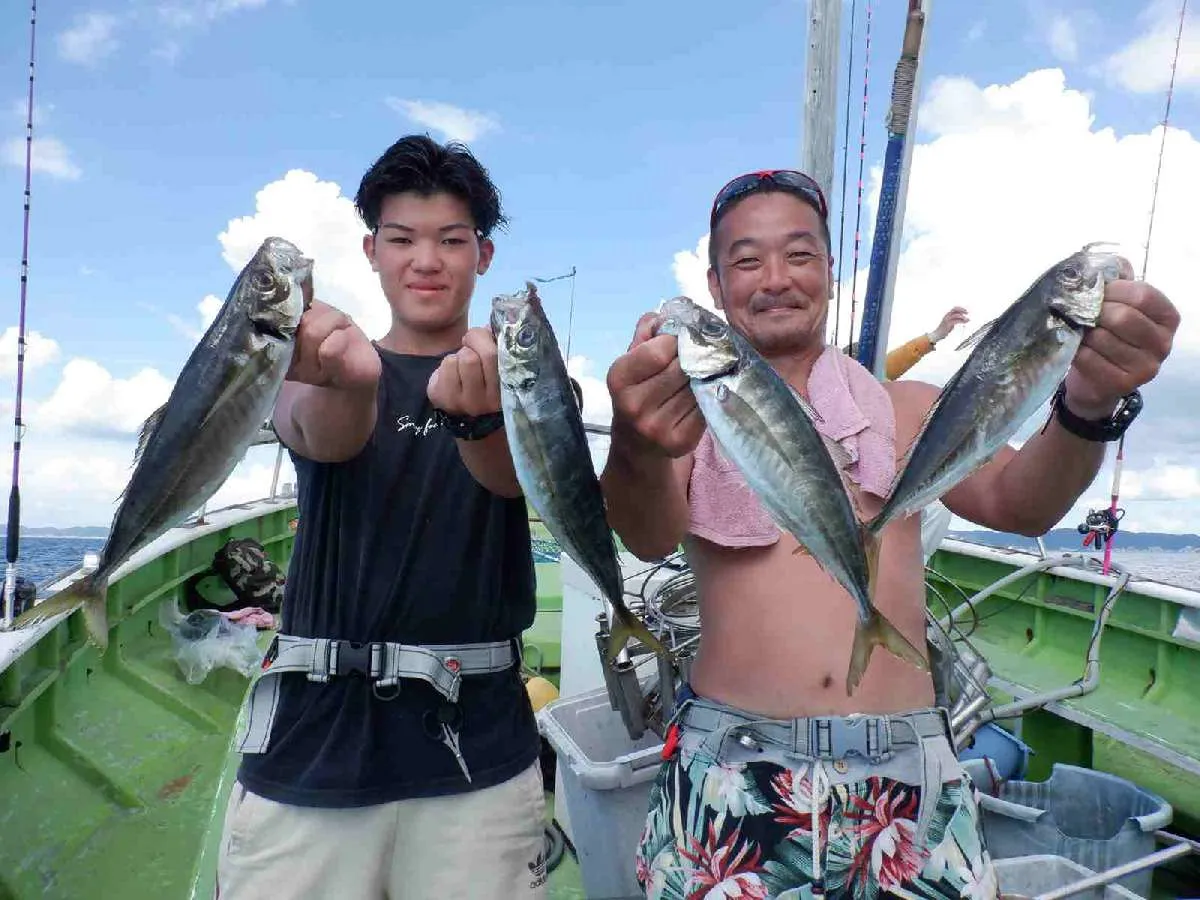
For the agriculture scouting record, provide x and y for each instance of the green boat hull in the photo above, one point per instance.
(115, 771)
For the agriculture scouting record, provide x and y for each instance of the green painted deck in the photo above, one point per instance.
(111, 764)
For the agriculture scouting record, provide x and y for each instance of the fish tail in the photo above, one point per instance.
(876, 631)
(627, 626)
(87, 592)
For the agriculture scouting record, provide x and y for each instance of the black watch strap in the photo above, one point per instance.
(469, 428)
(1101, 430)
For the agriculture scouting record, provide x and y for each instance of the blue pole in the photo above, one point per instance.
(881, 249)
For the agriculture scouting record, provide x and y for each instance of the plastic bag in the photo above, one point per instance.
(204, 640)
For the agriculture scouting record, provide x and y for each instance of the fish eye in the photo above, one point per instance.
(712, 328)
(1070, 273)
(526, 336)
(262, 281)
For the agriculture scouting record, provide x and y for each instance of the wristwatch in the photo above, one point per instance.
(469, 428)
(1100, 430)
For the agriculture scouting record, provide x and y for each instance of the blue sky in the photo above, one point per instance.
(607, 128)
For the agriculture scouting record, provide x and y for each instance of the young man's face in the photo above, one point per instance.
(772, 277)
(428, 257)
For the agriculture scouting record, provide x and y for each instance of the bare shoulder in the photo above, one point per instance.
(911, 401)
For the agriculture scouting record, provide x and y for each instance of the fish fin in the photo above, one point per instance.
(877, 631)
(871, 543)
(809, 409)
(148, 428)
(627, 626)
(86, 593)
(978, 335)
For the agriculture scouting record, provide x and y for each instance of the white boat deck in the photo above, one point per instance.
(15, 643)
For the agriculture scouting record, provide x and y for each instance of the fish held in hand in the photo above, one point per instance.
(768, 431)
(189, 446)
(550, 454)
(1017, 363)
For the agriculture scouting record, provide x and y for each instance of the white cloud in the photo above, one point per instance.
(194, 13)
(1144, 64)
(1013, 178)
(690, 268)
(207, 308)
(80, 483)
(77, 453)
(323, 223)
(597, 406)
(49, 155)
(1062, 39)
(90, 401)
(90, 38)
(39, 351)
(454, 122)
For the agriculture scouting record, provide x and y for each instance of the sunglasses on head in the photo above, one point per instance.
(784, 179)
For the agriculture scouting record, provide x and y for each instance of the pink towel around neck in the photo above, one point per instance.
(855, 410)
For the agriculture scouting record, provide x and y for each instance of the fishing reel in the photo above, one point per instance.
(1100, 526)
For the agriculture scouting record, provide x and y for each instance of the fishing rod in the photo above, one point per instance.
(14, 498)
(1103, 524)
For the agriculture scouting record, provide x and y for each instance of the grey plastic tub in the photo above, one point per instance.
(1091, 818)
(1029, 876)
(606, 780)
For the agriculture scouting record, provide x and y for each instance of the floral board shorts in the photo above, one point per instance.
(733, 814)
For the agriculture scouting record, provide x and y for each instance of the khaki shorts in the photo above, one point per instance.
(481, 845)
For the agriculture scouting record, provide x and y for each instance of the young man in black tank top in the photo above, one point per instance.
(361, 779)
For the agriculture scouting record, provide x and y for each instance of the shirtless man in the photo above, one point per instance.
(756, 794)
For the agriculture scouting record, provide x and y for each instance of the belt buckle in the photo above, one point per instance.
(835, 737)
(354, 658)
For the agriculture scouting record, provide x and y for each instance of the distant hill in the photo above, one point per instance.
(1070, 539)
(84, 531)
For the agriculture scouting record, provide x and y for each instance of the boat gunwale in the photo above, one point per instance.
(16, 643)
(1159, 590)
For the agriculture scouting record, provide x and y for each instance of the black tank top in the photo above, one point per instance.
(400, 544)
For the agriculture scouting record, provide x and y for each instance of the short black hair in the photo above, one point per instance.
(418, 163)
(763, 188)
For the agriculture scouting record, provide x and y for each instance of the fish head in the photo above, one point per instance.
(523, 335)
(706, 342)
(1075, 286)
(276, 288)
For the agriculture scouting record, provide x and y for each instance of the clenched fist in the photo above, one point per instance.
(331, 351)
(467, 383)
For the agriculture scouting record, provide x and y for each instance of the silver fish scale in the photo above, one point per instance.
(1008, 377)
(754, 418)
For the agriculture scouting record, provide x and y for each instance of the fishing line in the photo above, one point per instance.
(837, 315)
(571, 308)
(862, 155)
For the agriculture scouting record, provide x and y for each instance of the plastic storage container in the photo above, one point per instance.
(1008, 753)
(606, 780)
(1029, 876)
(1092, 818)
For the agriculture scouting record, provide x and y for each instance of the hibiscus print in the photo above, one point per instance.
(727, 787)
(883, 823)
(794, 807)
(724, 868)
